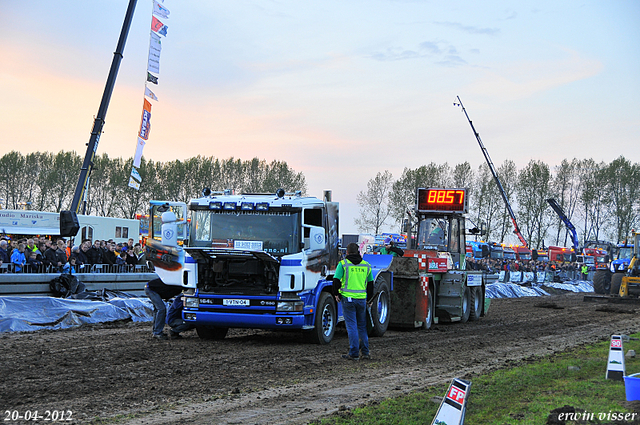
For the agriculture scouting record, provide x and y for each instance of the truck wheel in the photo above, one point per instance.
(476, 301)
(602, 282)
(380, 309)
(211, 332)
(325, 321)
(616, 281)
(428, 321)
(466, 305)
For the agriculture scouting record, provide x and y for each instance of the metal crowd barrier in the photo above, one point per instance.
(83, 269)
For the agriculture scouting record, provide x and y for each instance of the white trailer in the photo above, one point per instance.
(44, 223)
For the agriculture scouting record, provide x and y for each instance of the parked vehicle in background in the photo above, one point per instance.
(523, 253)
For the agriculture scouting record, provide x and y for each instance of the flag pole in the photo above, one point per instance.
(85, 172)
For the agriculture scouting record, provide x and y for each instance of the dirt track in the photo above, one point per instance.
(262, 377)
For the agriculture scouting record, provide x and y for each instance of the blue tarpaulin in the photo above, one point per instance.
(25, 314)
(514, 290)
(19, 314)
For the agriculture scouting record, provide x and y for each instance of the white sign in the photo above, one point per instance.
(248, 245)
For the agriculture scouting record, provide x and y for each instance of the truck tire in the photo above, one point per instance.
(325, 321)
(476, 301)
(211, 332)
(466, 305)
(616, 281)
(381, 308)
(428, 321)
(602, 282)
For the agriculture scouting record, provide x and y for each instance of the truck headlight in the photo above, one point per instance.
(290, 306)
(191, 302)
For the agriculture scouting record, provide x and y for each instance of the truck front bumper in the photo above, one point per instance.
(240, 320)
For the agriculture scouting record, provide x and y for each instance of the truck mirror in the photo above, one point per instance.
(485, 251)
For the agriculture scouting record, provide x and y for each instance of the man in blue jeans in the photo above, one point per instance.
(175, 321)
(158, 291)
(353, 282)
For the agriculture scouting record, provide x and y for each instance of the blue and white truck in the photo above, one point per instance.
(256, 261)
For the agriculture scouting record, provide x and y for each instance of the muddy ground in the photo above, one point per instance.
(261, 377)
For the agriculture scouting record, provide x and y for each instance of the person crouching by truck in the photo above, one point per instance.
(158, 292)
(175, 320)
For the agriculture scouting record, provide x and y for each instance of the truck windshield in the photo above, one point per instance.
(274, 232)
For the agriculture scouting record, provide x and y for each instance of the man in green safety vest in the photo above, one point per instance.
(352, 286)
(585, 272)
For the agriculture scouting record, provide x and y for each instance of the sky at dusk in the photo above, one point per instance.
(340, 90)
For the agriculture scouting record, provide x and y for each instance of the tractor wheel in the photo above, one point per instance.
(428, 321)
(476, 303)
(466, 305)
(211, 332)
(616, 281)
(602, 282)
(379, 313)
(325, 322)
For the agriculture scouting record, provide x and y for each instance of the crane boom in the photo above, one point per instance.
(574, 235)
(98, 123)
(516, 229)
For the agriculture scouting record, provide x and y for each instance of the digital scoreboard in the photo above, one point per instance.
(442, 200)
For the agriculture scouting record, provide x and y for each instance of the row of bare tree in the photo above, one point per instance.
(47, 181)
(602, 200)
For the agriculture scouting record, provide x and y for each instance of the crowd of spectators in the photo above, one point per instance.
(494, 265)
(44, 255)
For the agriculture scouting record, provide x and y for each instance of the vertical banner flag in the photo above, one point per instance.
(155, 47)
(134, 184)
(158, 28)
(149, 93)
(152, 78)
(135, 174)
(160, 10)
(138, 156)
(145, 122)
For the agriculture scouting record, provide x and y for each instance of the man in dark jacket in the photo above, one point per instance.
(109, 256)
(82, 252)
(4, 255)
(50, 258)
(61, 252)
(158, 291)
(94, 254)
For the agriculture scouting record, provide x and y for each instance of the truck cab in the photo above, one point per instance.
(509, 253)
(523, 253)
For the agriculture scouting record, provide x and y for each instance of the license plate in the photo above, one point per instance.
(235, 302)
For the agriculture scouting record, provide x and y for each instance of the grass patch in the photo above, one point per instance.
(521, 395)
